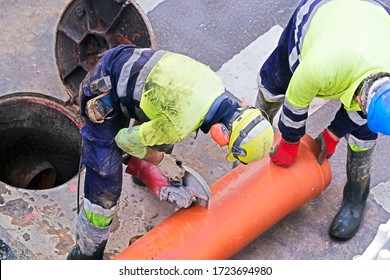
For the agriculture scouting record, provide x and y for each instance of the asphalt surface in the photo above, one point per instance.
(40, 224)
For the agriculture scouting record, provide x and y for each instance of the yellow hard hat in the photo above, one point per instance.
(251, 136)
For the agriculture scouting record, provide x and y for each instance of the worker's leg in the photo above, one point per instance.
(268, 107)
(91, 239)
(359, 160)
(274, 76)
(276, 72)
(102, 187)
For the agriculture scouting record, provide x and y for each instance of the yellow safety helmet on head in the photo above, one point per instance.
(249, 136)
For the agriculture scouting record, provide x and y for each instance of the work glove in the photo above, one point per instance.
(284, 153)
(327, 145)
(172, 169)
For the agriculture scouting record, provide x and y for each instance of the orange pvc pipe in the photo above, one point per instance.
(246, 202)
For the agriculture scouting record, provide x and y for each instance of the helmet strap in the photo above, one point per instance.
(238, 150)
(237, 113)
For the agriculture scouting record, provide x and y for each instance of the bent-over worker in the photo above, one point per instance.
(169, 95)
(333, 50)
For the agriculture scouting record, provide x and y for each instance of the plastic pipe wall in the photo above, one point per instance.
(246, 202)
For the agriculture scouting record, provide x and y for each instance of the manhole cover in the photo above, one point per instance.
(88, 28)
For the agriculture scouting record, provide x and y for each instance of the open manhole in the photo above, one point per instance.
(89, 27)
(40, 142)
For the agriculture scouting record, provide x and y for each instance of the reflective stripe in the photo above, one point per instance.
(238, 151)
(143, 74)
(356, 118)
(121, 86)
(268, 96)
(359, 145)
(304, 15)
(288, 122)
(96, 209)
(90, 237)
(295, 110)
(379, 3)
(302, 24)
(97, 219)
(295, 52)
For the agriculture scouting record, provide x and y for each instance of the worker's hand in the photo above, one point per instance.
(171, 168)
(327, 145)
(284, 153)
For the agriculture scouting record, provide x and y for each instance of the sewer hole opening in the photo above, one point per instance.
(40, 145)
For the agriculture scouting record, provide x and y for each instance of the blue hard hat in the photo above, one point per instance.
(378, 114)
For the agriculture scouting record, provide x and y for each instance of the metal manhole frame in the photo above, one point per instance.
(72, 88)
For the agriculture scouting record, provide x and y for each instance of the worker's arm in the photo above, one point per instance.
(301, 91)
(132, 141)
(326, 71)
(292, 121)
(314, 77)
(152, 156)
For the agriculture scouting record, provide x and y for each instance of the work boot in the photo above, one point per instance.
(76, 254)
(347, 221)
(268, 107)
(90, 240)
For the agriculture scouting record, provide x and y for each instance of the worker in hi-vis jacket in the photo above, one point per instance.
(169, 96)
(335, 49)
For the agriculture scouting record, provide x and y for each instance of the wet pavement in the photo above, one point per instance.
(40, 224)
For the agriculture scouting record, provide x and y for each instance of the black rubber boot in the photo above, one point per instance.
(347, 221)
(90, 240)
(76, 253)
(270, 109)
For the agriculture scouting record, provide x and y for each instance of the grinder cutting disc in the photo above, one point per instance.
(198, 186)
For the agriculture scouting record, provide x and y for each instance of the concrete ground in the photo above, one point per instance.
(40, 224)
